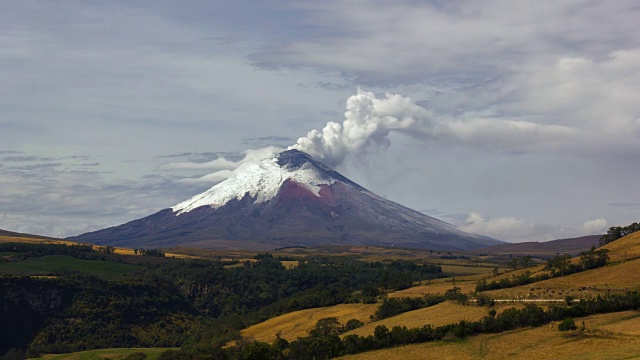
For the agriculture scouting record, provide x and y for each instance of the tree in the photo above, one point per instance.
(594, 258)
(381, 333)
(353, 324)
(279, 344)
(482, 299)
(169, 355)
(559, 265)
(526, 261)
(325, 327)
(15, 354)
(568, 300)
(567, 324)
(617, 232)
(257, 351)
(136, 356)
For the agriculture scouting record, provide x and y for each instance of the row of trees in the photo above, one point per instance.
(524, 261)
(22, 251)
(617, 232)
(562, 265)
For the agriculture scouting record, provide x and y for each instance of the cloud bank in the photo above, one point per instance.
(518, 230)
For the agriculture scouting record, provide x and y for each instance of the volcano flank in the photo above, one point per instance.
(287, 200)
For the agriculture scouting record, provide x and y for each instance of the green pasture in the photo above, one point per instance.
(152, 354)
(50, 264)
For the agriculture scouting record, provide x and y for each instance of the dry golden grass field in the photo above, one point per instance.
(616, 277)
(624, 249)
(20, 239)
(434, 288)
(607, 336)
(620, 275)
(479, 263)
(117, 250)
(368, 253)
(382, 252)
(290, 264)
(101, 354)
(507, 274)
(461, 270)
(298, 323)
(437, 315)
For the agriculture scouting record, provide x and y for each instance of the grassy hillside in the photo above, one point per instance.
(625, 248)
(615, 277)
(607, 336)
(437, 315)
(434, 287)
(168, 301)
(298, 323)
(618, 275)
(152, 353)
(214, 301)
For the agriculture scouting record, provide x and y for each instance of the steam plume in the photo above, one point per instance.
(368, 122)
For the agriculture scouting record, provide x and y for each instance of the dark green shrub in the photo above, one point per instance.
(567, 324)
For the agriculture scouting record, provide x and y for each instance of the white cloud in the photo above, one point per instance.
(217, 164)
(504, 228)
(518, 230)
(595, 227)
(224, 168)
(404, 40)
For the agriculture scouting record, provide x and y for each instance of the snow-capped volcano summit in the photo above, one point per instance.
(287, 200)
(263, 181)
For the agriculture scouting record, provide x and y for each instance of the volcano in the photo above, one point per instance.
(287, 200)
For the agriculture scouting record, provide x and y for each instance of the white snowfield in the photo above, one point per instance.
(261, 181)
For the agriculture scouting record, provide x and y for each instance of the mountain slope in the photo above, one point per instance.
(546, 249)
(288, 200)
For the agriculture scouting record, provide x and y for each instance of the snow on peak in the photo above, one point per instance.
(261, 181)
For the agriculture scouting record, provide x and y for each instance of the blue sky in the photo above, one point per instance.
(528, 125)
